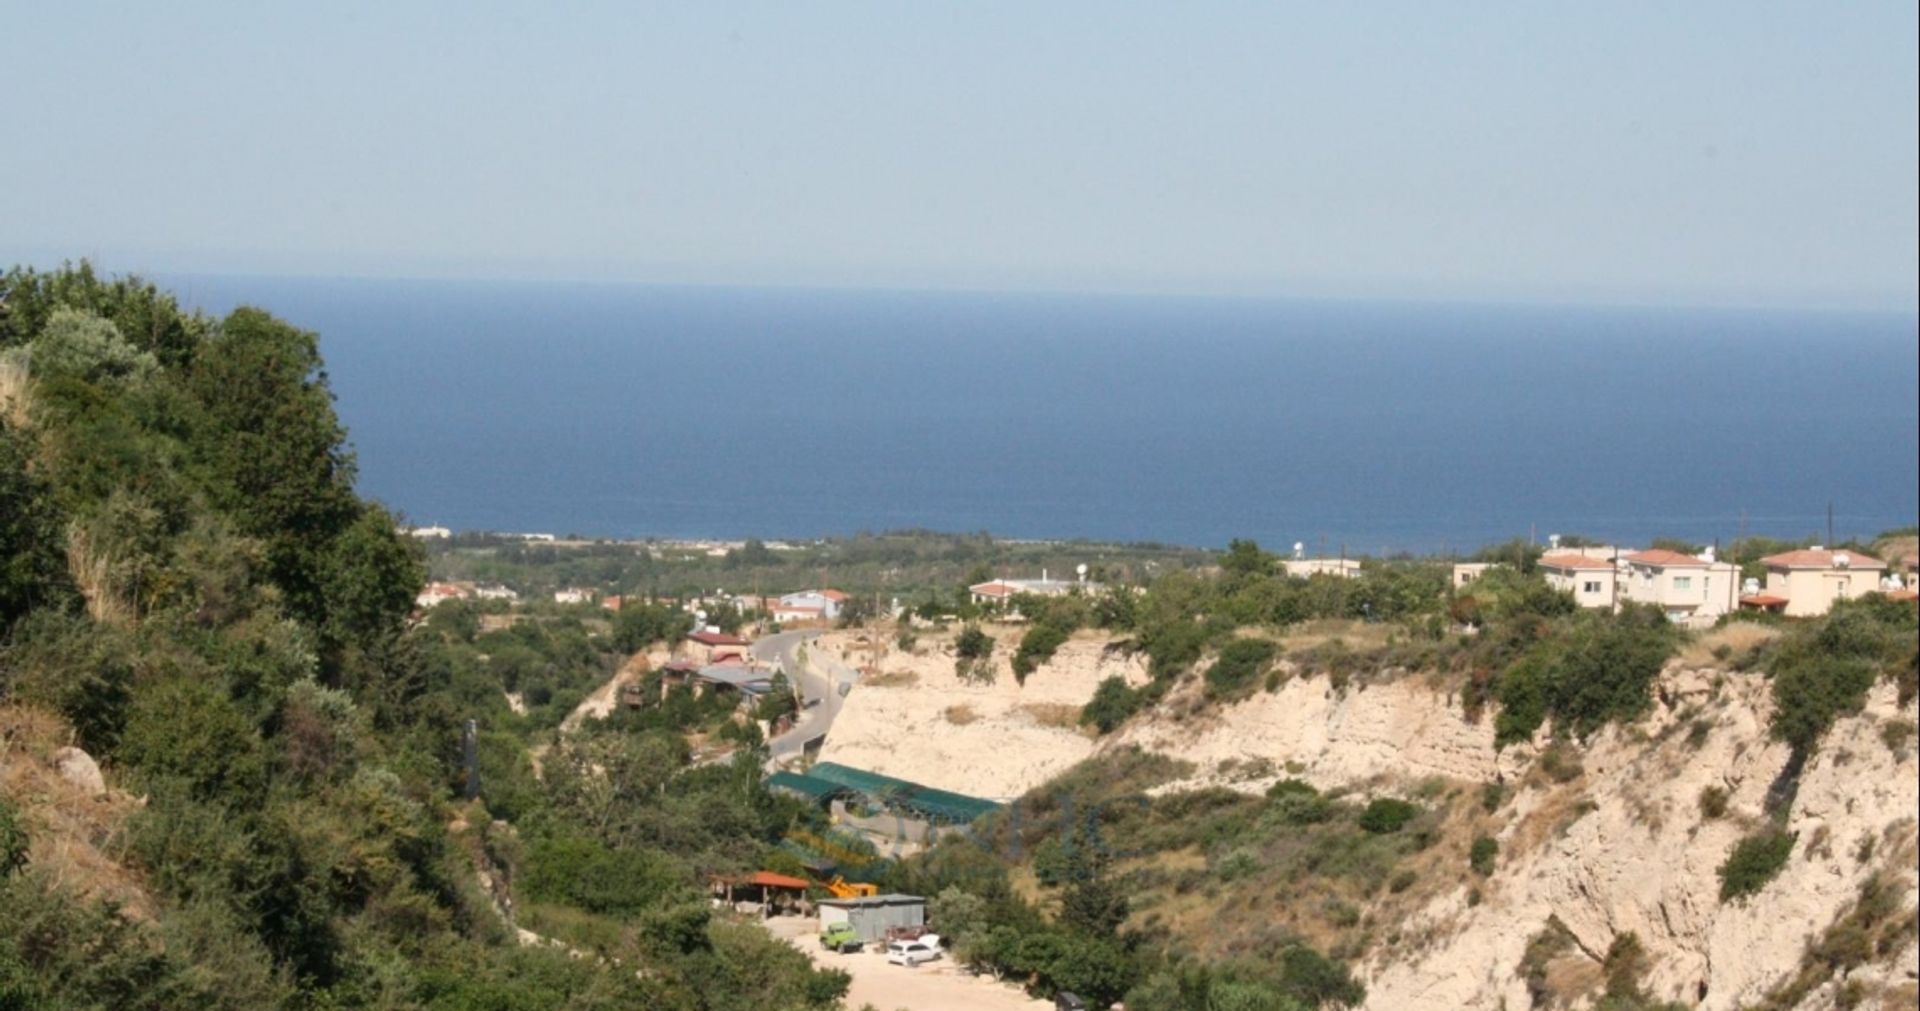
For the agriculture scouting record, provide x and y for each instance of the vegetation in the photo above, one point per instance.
(1822, 670)
(189, 582)
(1755, 860)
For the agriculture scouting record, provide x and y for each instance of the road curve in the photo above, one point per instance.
(821, 681)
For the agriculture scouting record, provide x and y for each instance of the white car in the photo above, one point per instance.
(926, 948)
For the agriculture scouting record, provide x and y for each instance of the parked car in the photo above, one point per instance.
(842, 938)
(925, 949)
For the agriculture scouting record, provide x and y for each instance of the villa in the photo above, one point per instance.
(1809, 581)
(1693, 591)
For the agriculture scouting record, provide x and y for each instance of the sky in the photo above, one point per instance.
(1738, 153)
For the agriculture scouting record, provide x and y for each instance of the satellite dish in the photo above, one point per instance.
(1299, 549)
(1082, 570)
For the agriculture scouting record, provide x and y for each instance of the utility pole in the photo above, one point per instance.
(1829, 524)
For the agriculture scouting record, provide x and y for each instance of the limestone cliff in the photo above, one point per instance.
(1621, 842)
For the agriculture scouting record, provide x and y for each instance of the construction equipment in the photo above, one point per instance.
(844, 889)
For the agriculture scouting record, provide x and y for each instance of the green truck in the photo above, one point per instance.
(841, 937)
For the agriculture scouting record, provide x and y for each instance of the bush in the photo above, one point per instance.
(1112, 703)
(1481, 857)
(1601, 671)
(1822, 671)
(1755, 860)
(1036, 648)
(1713, 802)
(1238, 667)
(1387, 815)
(13, 838)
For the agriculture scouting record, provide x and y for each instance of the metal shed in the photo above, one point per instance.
(873, 917)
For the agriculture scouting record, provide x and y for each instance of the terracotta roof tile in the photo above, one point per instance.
(1663, 557)
(1808, 558)
(1564, 561)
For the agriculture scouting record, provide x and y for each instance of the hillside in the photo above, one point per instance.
(1734, 827)
(231, 762)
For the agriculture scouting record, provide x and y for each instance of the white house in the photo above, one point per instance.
(1809, 581)
(435, 593)
(573, 595)
(1592, 581)
(806, 604)
(1692, 591)
(1000, 591)
(1344, 568)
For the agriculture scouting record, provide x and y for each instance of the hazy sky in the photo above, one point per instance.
(1736, 152)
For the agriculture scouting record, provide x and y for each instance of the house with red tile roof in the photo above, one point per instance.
(1808, 581)
(1594, 582)
(1692, 590)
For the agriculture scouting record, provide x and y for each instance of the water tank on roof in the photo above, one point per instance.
(1750, 587)
(1841, 560)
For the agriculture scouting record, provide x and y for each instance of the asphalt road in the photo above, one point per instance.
(816, 676)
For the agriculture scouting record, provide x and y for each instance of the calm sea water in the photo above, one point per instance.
(720, 412)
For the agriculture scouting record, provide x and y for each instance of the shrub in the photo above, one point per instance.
(1481, 857)
(1239, 666)
(13, 838)
(1713, 802)
(1600, 671)
(1112, 703)
(1755, 860)
(1387, 814)
(1036, 648)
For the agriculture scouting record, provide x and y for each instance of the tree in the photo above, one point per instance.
(81, 345)
(33, 563)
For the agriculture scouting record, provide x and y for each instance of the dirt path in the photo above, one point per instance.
(935, 986)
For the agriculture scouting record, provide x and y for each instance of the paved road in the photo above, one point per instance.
(817, 676)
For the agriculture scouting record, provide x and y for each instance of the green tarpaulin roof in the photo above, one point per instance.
(807, 786)
(935, 805)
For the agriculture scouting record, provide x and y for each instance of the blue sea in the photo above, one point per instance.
(1374, 427)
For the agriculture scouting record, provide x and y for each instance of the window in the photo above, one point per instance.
(1683, 582)
(1590, 586)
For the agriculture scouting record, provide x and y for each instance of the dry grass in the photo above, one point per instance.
(14, 380)
(92, 573)
(1357, 635)
(1052, 714)
(70, 832)
(1732, 641)
(890, 679)
(961, 715)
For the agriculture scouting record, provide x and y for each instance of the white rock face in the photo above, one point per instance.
(1641, 858)
(1402, 730)
(79, 768)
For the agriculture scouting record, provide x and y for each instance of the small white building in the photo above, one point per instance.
(1343, 568)
(430, 533)
(1000, 591)
(436, 593)
(495, 591)
(1592, 581)
(1465, 573)
(806, 604)
(573, 595)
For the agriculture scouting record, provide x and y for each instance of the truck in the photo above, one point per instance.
(841, 937)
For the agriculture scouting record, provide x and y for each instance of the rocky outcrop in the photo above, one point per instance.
(79, 768)
(1404, 730)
